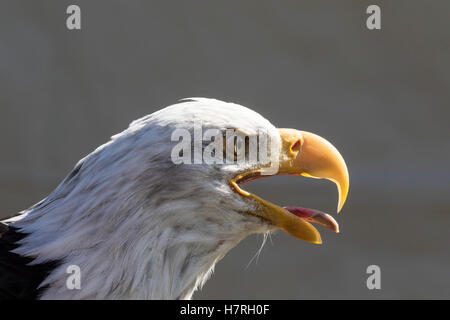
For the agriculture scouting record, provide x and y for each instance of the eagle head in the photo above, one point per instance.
(149, 213)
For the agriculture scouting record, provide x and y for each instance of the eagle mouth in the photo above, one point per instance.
(308, 214)
(307, 154)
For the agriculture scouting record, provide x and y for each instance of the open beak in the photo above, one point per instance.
(307, 154)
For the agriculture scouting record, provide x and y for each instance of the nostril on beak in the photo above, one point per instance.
(296, 146)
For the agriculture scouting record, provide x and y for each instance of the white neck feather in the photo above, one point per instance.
(128, 239)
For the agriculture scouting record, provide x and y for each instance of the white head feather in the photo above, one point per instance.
(137, 225)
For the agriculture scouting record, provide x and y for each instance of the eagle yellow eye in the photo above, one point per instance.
(230, 148)
(235, 145)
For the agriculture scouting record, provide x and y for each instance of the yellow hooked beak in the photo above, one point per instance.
(307, 154)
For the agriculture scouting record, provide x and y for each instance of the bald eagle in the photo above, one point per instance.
(139, 225)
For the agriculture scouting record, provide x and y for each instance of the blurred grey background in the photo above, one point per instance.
(382, 97)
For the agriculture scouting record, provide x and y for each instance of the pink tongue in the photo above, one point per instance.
(315, 216)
